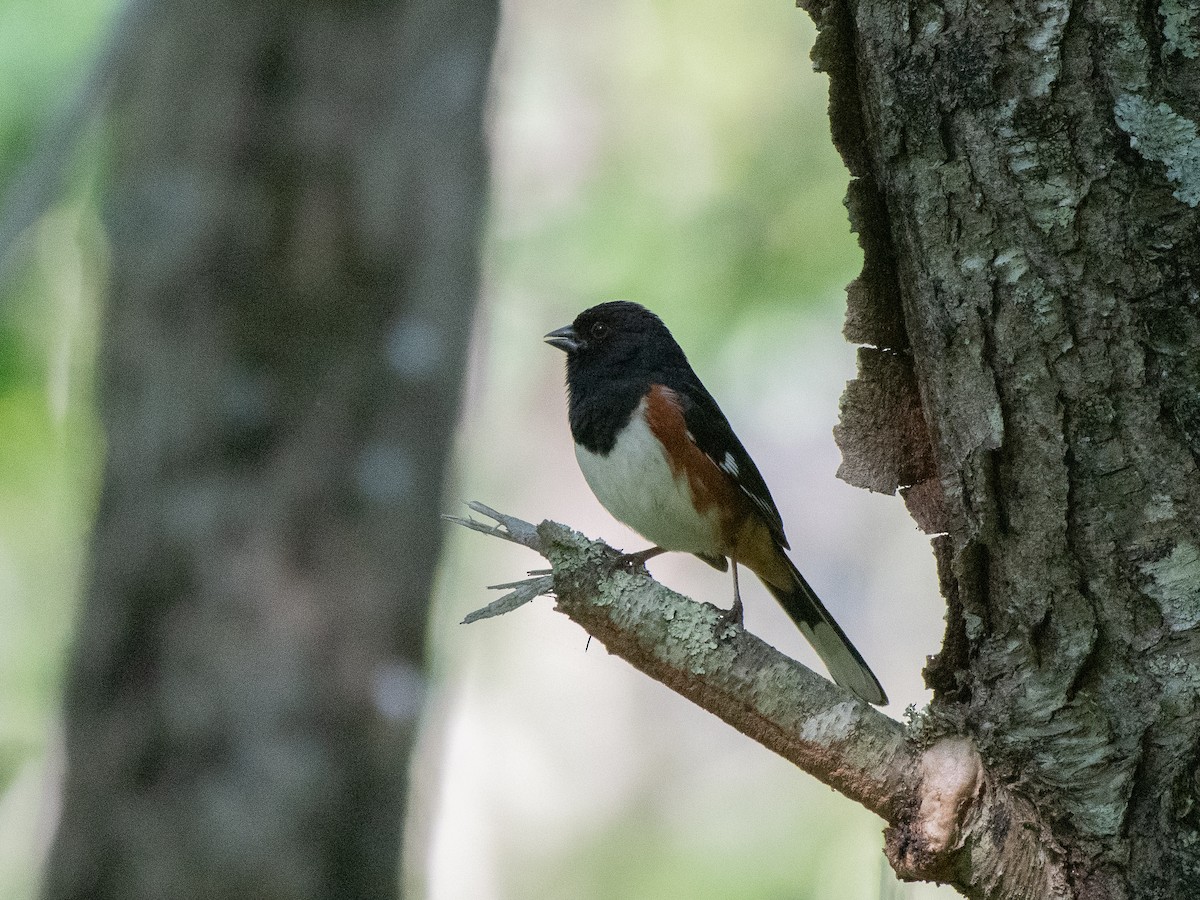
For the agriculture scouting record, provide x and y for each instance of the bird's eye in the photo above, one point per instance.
(599, 331)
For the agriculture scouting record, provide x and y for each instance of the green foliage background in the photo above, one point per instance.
(674, 153)
(50, 277)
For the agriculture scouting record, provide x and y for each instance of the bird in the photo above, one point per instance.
(660, 456)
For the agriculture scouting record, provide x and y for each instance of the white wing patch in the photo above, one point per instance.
(729, 465)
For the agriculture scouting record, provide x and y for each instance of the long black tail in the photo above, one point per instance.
(845, 664)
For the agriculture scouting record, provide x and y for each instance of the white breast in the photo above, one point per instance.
(635, 484)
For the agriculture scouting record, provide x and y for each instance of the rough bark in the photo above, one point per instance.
(295, 201)
(1026, 182)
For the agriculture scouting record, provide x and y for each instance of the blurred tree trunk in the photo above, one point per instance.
(1026, 183)
(294, 212)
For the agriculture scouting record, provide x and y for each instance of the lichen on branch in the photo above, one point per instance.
(949, 821)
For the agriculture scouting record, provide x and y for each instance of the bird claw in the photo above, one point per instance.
(731, 618)
(635, 561)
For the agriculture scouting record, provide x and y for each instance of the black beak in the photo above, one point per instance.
(564, 339)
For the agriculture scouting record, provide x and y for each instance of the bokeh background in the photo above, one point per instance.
(672, 153)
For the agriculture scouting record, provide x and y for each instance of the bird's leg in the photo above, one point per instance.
(734, 616)
(638, 560)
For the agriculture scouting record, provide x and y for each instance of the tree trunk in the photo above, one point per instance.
(1026, 177)
(295, 205)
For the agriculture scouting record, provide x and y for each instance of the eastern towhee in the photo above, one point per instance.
(660, 456)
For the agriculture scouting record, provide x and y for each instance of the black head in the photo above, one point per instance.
(618, 336)
(615, 352)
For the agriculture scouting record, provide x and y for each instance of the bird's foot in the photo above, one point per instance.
(632, 561)
(731, 618)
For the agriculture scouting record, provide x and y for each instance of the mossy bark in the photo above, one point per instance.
(1026, 181)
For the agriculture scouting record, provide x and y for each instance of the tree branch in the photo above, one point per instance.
(949, 820)
(775, 700)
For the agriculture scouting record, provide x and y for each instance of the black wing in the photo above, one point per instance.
(711, 431)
